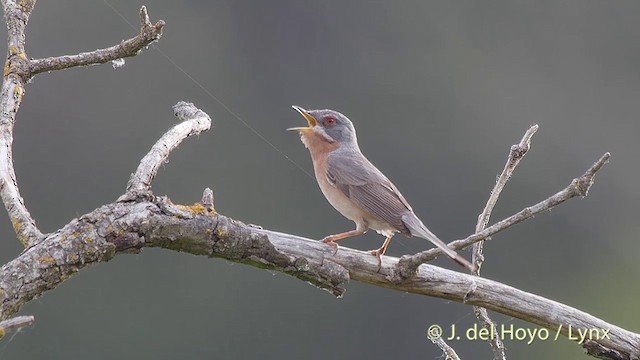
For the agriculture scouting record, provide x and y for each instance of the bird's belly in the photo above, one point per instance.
(341, 202)
(353, 212)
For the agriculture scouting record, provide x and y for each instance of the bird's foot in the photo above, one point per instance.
(378, 253)
(329, 241)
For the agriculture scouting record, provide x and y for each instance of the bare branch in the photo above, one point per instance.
(17, 71)
(141, 220)
(148, 33)
(124, 227)
(497, 345)
(194, 121)
(448, 351)
(516, 153)
(13, 83)
(15, 323)
(579, 187)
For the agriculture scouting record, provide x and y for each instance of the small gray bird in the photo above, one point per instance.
(356, 188)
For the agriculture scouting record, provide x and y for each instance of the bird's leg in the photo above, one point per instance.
(379, 252)
(331, 239)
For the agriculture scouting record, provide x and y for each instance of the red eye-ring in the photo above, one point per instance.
(329, 120)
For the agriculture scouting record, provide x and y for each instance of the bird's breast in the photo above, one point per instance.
(338, 199)
(345, 206)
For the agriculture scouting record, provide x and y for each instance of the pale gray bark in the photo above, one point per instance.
(149, 221)
(139, 219)
(15, 77)
(516, 154)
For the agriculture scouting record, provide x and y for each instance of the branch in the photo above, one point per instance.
(139, 219)
(148, 33)
(579, 187)
(18, 70)
(447, 351)
(126, 227)
(516, 153)
(194, 121)
(13, 83)
(17, 322)
(143, 221)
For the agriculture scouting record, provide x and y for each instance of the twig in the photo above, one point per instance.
(578, 187)
(194, 121)
(15, 323)
(448, 351)
(148, 33)
(13, 83)
(516, 153)
(207, 200)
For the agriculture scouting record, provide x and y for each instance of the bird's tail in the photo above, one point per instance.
(417, 228)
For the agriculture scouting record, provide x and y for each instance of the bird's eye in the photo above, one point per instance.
(329, 120)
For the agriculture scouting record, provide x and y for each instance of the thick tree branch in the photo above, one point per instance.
(578, 187)
(148, 221)
(128, 226)
(139, 219)
(148, 33)
(516, 153)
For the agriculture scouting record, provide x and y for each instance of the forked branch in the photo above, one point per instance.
(149, 221)
(578, 187)
(516, 153)
(148, 33)
(18, 70)
(139, 219)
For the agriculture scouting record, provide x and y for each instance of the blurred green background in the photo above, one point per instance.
(438, 91)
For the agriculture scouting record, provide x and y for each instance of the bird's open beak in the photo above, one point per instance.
(305, 114)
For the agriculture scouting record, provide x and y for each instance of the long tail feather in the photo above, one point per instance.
(417, 228)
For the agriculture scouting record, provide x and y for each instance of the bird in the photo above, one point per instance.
(356, 188)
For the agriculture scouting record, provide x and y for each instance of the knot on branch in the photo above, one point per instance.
(582, 184)
(406, 268)
(17, 64)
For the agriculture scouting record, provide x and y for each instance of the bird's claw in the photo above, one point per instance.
(329, 241)
(377, 253)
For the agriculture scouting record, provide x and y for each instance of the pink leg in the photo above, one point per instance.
(379, 252)
(331, 239)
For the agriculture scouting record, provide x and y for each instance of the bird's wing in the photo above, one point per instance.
(366, 186)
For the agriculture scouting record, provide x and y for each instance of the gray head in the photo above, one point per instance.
(329, 125)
